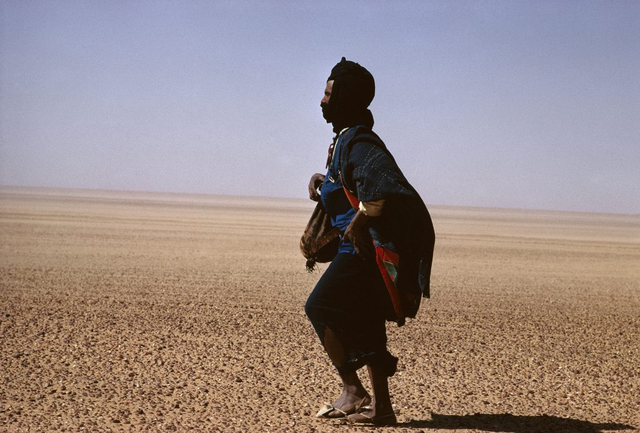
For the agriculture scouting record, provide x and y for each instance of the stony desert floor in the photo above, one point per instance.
(159, 312)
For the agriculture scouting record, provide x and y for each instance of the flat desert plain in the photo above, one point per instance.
(162, 312)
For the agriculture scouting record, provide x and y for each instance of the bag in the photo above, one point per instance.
(320, 240)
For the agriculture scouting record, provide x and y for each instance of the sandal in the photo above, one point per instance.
(363, 418)
(327, 408)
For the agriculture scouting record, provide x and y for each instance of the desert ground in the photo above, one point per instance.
(162, 312)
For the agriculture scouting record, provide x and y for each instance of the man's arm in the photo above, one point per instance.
(314, 186)
(358, 235)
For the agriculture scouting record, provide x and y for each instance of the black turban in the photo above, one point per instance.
(353, 90)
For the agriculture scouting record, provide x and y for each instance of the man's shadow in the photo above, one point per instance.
(513, 423)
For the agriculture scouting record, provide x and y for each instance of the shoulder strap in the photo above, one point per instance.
(355, 203)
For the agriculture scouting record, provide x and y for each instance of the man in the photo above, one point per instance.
(383, 264)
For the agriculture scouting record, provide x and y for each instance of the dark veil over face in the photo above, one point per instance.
(353, 90)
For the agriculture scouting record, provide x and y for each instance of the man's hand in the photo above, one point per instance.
(358, 234)
(314, 186)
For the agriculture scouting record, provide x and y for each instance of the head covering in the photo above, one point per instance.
(353, 90)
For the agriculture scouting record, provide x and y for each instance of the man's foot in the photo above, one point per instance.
(371, 417)
(342, 409)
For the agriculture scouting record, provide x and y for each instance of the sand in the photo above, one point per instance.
(164, 312)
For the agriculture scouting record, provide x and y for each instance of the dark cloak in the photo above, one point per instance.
(370, 172)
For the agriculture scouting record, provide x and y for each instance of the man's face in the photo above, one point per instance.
(324, 103)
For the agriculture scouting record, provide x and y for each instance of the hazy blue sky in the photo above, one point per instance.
(525, 104)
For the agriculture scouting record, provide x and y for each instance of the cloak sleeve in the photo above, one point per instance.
(370, 172)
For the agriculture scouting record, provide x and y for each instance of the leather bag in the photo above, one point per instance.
(320, 240)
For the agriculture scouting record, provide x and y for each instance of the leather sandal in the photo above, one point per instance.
(327, 408)
(363, 418)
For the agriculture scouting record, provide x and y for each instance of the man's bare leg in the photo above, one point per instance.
(353, 393)
(381, 402)
(381, 411)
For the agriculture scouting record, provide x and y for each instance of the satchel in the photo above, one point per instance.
(320, 240)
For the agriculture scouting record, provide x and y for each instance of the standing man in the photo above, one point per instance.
(383, 264)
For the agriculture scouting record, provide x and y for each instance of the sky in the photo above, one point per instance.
(509, 104)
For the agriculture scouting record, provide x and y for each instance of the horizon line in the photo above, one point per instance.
(5, 188)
